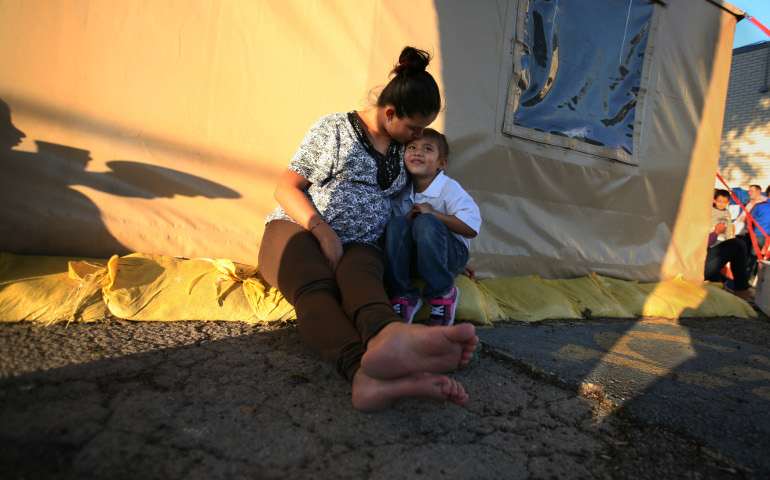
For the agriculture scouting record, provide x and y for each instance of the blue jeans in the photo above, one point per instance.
(426, 248)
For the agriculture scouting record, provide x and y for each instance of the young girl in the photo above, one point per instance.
(429, 234)
(320, 247)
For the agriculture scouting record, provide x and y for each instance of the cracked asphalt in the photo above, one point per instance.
(210, 400)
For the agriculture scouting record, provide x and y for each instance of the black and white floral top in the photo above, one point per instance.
(342, 167)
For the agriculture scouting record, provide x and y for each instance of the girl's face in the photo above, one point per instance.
(404, 130)
(721, 202)
(421, 158)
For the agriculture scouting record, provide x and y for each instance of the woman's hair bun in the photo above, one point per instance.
(411, 90)
(411, 60)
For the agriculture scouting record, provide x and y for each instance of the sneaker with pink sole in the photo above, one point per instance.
(442, 310)
(406, 307)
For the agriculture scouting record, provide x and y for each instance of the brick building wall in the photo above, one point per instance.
(745, 150)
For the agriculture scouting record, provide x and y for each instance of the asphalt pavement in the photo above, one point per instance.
(715, 388)
(558, 399)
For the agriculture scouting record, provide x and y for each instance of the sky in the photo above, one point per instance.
(746, 32)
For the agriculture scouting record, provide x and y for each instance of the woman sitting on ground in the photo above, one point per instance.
(320, 247)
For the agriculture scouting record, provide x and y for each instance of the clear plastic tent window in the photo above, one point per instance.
(577, 73)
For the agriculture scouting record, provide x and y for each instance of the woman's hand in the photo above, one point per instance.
(330, 243)
(290, 194)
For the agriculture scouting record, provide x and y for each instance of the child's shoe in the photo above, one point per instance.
(442, 310)
(406, 307)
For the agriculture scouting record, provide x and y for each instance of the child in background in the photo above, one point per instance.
(429, 234)
(721, 215)
(726, 249)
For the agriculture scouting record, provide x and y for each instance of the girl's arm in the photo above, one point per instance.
(453, 223)
(290, 194)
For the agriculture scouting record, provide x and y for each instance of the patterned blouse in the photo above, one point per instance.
(343, 172)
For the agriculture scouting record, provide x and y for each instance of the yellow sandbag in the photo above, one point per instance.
(718, 302)
(147, 287)
(638, 300)
(91, 277)
(684, 300)
(528, 298)
(161, 288)
(590, 297)
(45, 289)
(678, 298)
(474, 305)
(492, 311)
(267, 302)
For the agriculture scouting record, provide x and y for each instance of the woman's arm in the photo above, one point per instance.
(290, 194)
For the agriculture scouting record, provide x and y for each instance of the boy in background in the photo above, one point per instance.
(727, 250)
(720, 214)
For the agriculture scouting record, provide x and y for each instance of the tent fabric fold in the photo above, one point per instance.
(142, 287)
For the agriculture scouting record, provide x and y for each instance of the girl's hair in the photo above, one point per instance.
(412, 90)
(443, 145)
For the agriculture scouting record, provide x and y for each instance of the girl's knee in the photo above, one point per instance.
(426, 226)
(398, 225)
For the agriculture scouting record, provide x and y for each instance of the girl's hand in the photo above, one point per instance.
(469, 272)
(424, 207)
(412, 214)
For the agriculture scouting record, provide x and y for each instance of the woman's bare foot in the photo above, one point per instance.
(372, 394)
(401, 349)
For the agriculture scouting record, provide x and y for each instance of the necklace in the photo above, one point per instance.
(388, 164)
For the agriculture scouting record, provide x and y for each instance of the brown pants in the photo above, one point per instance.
(337, 312)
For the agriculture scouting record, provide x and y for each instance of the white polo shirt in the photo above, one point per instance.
(445, 196)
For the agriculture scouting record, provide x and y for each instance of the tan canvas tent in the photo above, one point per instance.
(161, 127)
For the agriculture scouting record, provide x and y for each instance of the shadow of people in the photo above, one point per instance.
(716, 387)
(10, 136)
(43, 214)
(141, 180)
